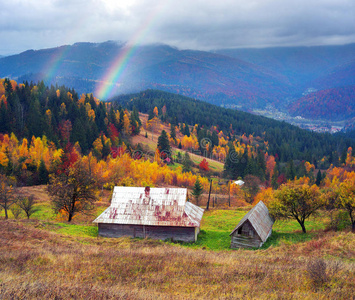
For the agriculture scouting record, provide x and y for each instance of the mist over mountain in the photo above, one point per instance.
(342, 75)
(242, 78)
(302, 66)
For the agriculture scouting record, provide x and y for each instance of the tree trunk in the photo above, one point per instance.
(70, 217)
(6, 216)
(303, 227)
(352, 220)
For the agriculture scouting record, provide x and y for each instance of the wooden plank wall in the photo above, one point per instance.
(245, 237)
(184, 234)
(242, 241)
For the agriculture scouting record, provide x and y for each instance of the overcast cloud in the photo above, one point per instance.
(193, 24)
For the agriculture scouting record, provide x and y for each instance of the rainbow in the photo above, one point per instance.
(54, 64)
(110, 80)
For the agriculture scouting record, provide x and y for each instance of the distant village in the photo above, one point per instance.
(313, 125)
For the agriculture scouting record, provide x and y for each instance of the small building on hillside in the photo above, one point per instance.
(157, 213)
(254, 229)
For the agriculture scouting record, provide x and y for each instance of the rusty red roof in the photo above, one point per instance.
(151, 206)
(260, 219)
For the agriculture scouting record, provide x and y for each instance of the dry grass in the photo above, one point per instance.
(37, 264)
(38, 191)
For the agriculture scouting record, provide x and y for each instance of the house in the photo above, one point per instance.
(254, 229)
(157, 213)
(239, 182)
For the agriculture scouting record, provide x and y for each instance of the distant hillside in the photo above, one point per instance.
(212, 77)
(304, 67)
(284, 140)
(343, 75)
(331, 104)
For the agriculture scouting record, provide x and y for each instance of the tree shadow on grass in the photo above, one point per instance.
(277, 238)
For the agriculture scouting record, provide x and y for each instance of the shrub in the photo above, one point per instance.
(16, 211)
(321, 273)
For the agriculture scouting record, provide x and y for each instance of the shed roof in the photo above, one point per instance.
(260, 219)
(239, 182)
(151, 206)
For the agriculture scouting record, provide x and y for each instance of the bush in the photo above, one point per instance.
(321, 273)
(339, 220)
(16, 211)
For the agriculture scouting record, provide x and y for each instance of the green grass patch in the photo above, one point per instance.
(44, 212)
(77, 230)
(175, 166)
(216, 226)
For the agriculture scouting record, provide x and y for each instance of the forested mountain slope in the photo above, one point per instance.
(284, 140)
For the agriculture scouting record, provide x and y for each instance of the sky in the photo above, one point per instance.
(186, 24)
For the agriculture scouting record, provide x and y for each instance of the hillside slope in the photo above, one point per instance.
(332, 104)
(284, 140)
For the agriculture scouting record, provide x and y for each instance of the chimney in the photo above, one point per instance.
(147, 191)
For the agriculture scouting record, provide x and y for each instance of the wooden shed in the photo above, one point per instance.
(157, 213)
(254, 229)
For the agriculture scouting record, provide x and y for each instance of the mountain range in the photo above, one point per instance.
(243, 78)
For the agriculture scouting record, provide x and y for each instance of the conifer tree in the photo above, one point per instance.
(163, 144)
(42, 173)
(197, 190)
(319, 178)
(172, 132)
(186, 163)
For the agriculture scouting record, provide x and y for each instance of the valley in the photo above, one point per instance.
(320, 126)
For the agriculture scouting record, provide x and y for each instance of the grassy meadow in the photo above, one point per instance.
(48, 258)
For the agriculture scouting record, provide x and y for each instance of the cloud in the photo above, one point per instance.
(186, 24)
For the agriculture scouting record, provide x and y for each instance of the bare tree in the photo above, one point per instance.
(73, 191)
(6, 195)
(27, 205)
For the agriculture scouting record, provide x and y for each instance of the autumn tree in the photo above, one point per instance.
(204, 165)
(72, 192)
(6, 195)
(251, 187)
(155, 111)
(296, 201)
(346, 199)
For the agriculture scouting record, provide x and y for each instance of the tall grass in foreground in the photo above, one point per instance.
(36, 263)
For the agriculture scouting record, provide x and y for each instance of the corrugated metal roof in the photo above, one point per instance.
(260, 219)
(151, 206)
